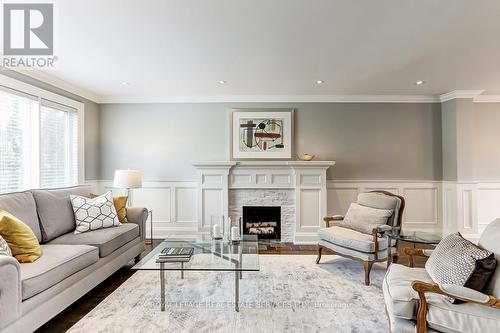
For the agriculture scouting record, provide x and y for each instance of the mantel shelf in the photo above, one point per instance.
(260, 164)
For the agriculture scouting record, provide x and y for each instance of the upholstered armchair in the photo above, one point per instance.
(360, 234)
(414, 303)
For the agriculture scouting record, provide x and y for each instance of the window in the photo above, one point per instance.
(39, 142)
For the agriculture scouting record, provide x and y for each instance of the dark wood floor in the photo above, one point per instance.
(75, 312)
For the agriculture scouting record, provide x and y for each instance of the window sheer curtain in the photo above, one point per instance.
(38, 142)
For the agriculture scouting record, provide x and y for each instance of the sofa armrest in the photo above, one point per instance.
(333, 220)
(139, 216)
(10, 290)
(461, 293)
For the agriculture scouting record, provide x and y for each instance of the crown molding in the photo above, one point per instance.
(58, 83)
(460, 94)
(273, 99)
(487, 99)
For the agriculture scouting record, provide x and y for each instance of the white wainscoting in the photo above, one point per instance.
(174, 205)
(432, 206)
(470, 206)
(423, 209)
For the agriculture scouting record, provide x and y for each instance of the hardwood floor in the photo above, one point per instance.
(72, 314)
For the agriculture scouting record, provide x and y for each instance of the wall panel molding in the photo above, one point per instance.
(432, 206)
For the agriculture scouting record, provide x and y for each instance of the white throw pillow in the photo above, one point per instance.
(364, 219)
(94, 214)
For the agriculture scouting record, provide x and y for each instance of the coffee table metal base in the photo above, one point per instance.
(237, 276)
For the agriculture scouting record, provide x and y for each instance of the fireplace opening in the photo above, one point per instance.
(263, 221)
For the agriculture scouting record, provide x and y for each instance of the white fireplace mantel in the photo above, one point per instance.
(306, 178)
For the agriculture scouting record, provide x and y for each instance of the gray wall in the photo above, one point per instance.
(379, 141)
(487, 141)
(91, 122)
(471, 141)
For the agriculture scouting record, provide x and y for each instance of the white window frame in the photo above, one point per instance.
(48, 95)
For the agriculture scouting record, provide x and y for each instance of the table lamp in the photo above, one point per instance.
(128, 179)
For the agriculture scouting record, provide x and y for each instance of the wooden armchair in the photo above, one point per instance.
(366, 247)
(414, 302)
(463, 294)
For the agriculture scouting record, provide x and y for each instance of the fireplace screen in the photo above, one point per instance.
(263, 221)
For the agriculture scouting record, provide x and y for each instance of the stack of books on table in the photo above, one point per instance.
(175, 254)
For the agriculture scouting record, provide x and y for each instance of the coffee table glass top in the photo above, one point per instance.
(208, 255)
(415, 236)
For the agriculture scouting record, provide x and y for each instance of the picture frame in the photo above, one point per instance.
(265, 134)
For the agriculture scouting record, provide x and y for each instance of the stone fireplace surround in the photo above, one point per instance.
(298, 187)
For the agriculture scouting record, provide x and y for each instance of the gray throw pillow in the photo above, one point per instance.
(4, 248)
(364, 219)
(93, 214)
(457, 261)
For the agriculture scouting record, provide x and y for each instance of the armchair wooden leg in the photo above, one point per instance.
(368, 267)
(320, 249)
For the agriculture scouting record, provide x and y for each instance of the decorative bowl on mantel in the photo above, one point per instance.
(305, 157)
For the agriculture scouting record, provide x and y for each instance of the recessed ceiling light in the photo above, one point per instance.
(419, 82)
(125, 83)
(222, 82)
(320, 82)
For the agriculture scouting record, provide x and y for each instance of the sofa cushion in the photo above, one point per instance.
(57, 263)
(55, 210)
(400, 298)
(352, 239)
(107, 240)
(468, 317)
(22, 205)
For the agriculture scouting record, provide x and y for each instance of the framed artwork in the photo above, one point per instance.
(261, 134)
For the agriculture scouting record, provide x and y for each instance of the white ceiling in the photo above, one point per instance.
(180, 49)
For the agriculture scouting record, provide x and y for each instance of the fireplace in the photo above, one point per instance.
(263, 221)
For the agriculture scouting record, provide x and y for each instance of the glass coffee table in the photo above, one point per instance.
(208, 255)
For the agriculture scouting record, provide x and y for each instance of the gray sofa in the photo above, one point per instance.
(70, 266)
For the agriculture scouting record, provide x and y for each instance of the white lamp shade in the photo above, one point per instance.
(127, 179)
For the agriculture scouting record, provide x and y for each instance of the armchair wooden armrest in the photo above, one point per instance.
(328, 219)
(412, 252)
(461, 293)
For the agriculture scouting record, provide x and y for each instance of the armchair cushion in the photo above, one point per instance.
(381, 201)
(352, 239)
(364, 219)
(400, 298)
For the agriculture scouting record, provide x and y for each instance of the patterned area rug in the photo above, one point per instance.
(289, 294)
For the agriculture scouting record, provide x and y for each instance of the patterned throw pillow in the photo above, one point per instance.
(4, 248)
(457, 261)
(94, 214)
(120, 203)
(364, 219)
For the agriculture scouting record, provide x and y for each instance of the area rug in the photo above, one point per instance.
(289, 294)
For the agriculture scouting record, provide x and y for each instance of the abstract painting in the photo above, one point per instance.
(262, 134)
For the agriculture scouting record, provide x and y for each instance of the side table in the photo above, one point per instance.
(150, 215)
(415, 237)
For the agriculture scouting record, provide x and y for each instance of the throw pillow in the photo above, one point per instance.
(364, 219)
(455, 260)
(94, 214)
(4, 248)
(120, 204)
(20, 238)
